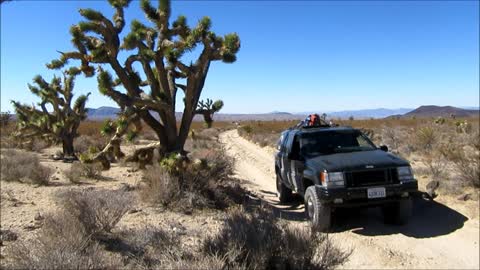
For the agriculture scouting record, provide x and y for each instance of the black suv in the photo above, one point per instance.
(333, 167)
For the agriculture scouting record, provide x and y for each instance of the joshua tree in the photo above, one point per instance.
(59, 125)
(207, 109)
(158, 49)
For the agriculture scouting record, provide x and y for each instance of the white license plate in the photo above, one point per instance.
(373, 193)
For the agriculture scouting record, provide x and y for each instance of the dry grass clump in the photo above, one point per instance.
(466, 163)
(185, 186)
(85, 143)
(82, 171)
(62, 243)
(97, 211)
(23, 167)
(257, 240)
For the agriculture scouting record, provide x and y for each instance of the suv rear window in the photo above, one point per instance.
(330, 142)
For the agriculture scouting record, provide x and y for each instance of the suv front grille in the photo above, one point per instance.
(371, 177)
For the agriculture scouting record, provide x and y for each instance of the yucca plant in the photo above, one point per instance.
(60, 124)
(207, 109)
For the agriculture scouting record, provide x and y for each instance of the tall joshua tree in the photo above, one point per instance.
(158, 49)
(207, 109)
(59, 125)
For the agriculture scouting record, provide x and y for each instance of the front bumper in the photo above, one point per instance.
(353, 197)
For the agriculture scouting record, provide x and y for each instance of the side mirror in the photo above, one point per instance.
(384, 148)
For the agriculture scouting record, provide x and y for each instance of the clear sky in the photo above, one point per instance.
(295, 56)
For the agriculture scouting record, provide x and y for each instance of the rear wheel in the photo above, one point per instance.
(284, 194)
(399, 212)
(318, 213)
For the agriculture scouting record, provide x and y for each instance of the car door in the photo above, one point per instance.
(285, 162)
(295, 164)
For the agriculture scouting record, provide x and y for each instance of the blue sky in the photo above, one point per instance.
(295, 56)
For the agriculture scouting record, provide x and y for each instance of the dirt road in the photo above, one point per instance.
(438, 236)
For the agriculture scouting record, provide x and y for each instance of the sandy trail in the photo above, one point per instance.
(436, 237)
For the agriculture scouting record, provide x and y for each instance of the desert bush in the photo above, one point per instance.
(436, 166)
(185, 186)
(247, 129)
(466, 163)
(62, 243)
(85, 143)
(23, 167)
(79, 171)
(463, 126)
(426, 137)
(5, 119)
(257, 240)
(98, 211)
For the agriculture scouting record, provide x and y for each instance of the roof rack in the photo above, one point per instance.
(307, 123)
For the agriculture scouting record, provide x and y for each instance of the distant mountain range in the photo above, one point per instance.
(441, 111)
(422, 111)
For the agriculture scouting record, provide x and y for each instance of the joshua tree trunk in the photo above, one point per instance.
(67, 143)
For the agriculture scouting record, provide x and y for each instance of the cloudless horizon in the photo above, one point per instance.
(294, 57)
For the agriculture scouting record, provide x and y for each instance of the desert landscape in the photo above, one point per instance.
(239, 182)
(121, 154)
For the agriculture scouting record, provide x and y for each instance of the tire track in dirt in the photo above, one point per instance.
(437, 236)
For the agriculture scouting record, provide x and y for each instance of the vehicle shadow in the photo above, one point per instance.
(293, 211)
(430, 219)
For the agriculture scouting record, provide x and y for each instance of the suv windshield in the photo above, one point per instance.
(330, 142)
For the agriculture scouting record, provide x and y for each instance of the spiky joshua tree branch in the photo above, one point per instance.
(158, 49)
(62, 122)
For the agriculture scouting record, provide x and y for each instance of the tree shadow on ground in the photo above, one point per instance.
(430, 219)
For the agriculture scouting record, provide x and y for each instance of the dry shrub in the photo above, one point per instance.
(426, 138)
(62, 243)
(21, 166)
(206, 134)
(35, 145)
(79, 171)
(258, 240)
(466, 161)
(84, 143)
(436, 166)
(153, 248)
(98, 211)
(182, 186)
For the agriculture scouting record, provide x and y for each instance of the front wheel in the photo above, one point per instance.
(317, 212)
(399, 212)
(284, 194)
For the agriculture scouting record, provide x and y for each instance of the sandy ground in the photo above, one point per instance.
(442, 234)
(23, 205)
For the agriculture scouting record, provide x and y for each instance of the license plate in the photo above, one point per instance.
(373, 193)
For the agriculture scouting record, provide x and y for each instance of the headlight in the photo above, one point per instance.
(332, 179)
(405, 173)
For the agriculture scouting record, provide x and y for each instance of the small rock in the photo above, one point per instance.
(465, 197)
(31, 227)
(133, 211)
(38, 217)
(7, 235)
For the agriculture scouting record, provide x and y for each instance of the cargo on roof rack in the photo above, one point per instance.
(312, 121)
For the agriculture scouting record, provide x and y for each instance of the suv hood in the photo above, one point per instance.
(356, 161)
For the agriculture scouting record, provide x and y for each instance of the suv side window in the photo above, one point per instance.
(288, 142)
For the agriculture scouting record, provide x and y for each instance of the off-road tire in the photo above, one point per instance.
(317, 212)
(284, 194)
(399, 212)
